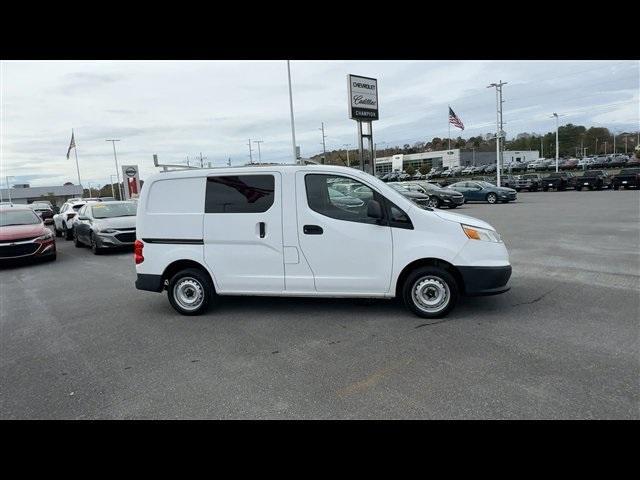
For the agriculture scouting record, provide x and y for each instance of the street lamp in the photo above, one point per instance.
(113, 193)
(8, 187)
(113, 142)
(557, 152)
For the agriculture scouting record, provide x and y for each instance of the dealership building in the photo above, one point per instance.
(57, 195)
(450, 158)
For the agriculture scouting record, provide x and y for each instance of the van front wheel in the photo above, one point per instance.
(190, 291)
(430, 292)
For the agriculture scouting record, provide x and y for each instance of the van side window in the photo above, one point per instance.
(398, 218)
(239, 194)
(339, 197)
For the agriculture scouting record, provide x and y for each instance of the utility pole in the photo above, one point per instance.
(259, 154)
(614, 143)
(498, 87)
(324, 149)
(113, 193)
(347, 145)
(202, 160)
(293, 124)
(625, 144)
(113, 142)
(250, 156)
(557, 151)
(605, 147)
(596, 150)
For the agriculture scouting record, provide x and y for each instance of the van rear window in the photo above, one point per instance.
(239, 194)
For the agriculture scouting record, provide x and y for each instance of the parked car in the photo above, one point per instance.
(627, 178)
(282, 235)
(468, 170)
(529, 181)
(103, 225)
(419, 198)
(491, 168)
(44, 211)
(593, 179)
(63, 221)
(569, 164)
(508, 181)
(558, 181)
(484, 192)
(599, 162)
(23, 235)
(438, 197)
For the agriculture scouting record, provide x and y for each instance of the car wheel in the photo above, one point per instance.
(76, 240)
(545, 189)
(56, 231)
(492, 198)
(67, 232)
(579, 189)
(430, 292)
(615, 187)
(190, 291)
(434, 202)
(94, 245)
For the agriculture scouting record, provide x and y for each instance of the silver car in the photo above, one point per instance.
(103, 225)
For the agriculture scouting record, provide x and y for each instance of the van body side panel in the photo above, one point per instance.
(348, 257)
(298, 274)
(245, 256)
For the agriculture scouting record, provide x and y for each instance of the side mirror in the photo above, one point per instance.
(374, 210)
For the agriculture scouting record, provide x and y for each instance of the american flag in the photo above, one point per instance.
(454, 120)
(71, 145)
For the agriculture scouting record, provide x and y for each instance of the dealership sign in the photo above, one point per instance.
(363, 98)
(131, 181)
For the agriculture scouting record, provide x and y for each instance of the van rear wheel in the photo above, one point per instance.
(430, 292)
(190, 291)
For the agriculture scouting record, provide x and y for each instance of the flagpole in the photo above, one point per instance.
(75, 152)
(449, 124)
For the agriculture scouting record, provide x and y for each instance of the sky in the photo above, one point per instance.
(179, 109)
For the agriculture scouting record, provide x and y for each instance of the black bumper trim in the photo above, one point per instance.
(148, 282)
(485, 280)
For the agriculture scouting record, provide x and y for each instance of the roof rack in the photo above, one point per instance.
(173, 167)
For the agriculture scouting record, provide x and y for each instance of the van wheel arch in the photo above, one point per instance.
(429, 262)
(179, 265)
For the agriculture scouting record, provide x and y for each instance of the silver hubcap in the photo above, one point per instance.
(430, 294)
(433, 203)
(188, 293)
(491, 199)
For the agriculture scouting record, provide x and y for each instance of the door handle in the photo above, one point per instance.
(262, 229)
(312, 230)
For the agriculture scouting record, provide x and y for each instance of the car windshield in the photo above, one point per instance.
(486, 184)
(111, 210)
(629, 171)
(18, 217)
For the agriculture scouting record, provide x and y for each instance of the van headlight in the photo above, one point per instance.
(476, 233)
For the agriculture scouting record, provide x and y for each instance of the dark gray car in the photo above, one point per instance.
(102, 225)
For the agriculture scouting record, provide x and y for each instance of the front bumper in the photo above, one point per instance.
(485, 280)
(27, 249)
(452, 200)
(119, 238)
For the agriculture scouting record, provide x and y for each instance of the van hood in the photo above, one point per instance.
(457, 218)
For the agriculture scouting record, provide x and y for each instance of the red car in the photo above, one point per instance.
(24, 236)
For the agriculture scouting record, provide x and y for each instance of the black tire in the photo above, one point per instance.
(94, 245)
(579, 189)
(66, 232)
(434, 202)
(492, 198)
(616, 187)
(56, 231)
(196, 281)
(76, 240)
(434, 280)
(545, 189)
(453, 206)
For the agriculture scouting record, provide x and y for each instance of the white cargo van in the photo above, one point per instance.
(282, 230)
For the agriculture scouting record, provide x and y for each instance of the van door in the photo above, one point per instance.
(243, 232)
(347, 251)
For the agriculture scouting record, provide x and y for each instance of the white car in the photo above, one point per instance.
(63, 221)
(468, 170)
(277, 231)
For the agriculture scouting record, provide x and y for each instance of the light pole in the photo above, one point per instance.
(115, 157)
(498, 87)
(347, 145)
(113, 193)
(293, 125)
(324, 149)
(596, 150)
(259, 155)
(557, 153)
(8, 187)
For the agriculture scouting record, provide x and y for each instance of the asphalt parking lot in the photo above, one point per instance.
(78, 341)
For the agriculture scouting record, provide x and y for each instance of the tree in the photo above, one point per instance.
(410, 170)
(424, 169)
